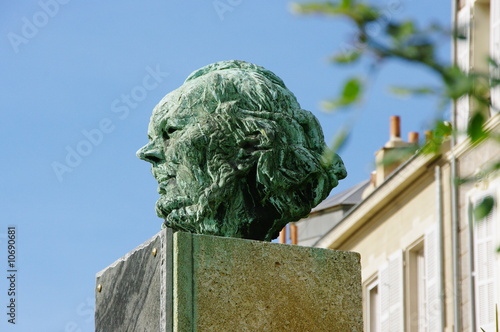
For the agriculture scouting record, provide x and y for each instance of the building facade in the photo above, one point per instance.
(429, 257)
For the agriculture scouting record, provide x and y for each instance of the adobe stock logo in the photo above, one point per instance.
(31, 27)
(223, 6)
(94, 137)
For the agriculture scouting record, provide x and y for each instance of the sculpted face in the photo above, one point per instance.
(235, 155)
(177, 152)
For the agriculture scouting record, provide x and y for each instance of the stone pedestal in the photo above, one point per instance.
(186, 282)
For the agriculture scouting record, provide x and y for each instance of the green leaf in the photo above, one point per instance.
(364, 14)
(351, 93)
(432, 146)
(346, 3)
(495, 82)
(352, 90)
(423, 51)
(330, 154)
(399, 155)
(461, 32)
(475, 128)
(392, 29)
(328, 8)
(407, 28)
(360, 13)
(493, 63)
(401, 32)
(412, 91)
(484, 208)
(340, 139)
(346, 57)
(485, 171)
(443, 129)
(457, 83)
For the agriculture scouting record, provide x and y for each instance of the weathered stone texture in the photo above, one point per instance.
(130, 296)
(258, 286)
(229, 284)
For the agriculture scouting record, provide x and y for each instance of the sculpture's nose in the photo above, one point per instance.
(150, 153)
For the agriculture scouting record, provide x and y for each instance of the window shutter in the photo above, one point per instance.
(433, 279)
(463, 62)
(462, 116)
(384, 289)
(485, 269)
(463, 45)
(391, 294)
(495, 49)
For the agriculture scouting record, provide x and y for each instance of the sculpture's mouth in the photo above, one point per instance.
(164, 183)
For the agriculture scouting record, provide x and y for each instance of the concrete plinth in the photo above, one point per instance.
(208, 283)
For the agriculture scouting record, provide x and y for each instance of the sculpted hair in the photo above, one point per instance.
(280, 147)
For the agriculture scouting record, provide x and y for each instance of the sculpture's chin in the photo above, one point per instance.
(160, 212)
(178, 214)
(166, 205)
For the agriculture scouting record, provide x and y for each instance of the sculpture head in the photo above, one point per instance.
(235, 155)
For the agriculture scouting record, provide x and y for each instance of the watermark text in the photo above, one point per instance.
(11, 274)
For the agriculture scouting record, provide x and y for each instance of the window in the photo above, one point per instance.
(424, 283)
(485, 266)
(416, 290)
(433, 282)
(421, 290)
(415, 283)
(373, 307)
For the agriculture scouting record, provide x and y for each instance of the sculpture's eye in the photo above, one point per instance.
(167, 133)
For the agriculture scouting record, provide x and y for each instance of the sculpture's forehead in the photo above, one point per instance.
(175, 109)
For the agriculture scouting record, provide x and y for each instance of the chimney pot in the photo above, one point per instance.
(413, 137)
(294, 233)
(395, 126)
(283, 235)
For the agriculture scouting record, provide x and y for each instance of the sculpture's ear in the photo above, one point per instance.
(252, 146)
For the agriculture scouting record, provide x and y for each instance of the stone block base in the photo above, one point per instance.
(187, 282)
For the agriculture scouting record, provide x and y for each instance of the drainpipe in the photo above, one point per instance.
(454, 197)
(439, 200)
(455, 244)
(472, 269)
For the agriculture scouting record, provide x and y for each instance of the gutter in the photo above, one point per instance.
(439, 212)
(472, 274)
(323, 242)
(454, 196)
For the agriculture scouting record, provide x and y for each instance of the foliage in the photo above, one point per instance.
(407, 41)
(484, 208)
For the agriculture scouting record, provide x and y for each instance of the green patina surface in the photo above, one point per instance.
(235, 155)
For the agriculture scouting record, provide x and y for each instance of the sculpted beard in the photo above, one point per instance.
(208, 210)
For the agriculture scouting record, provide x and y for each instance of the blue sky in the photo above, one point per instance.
(79, 82)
